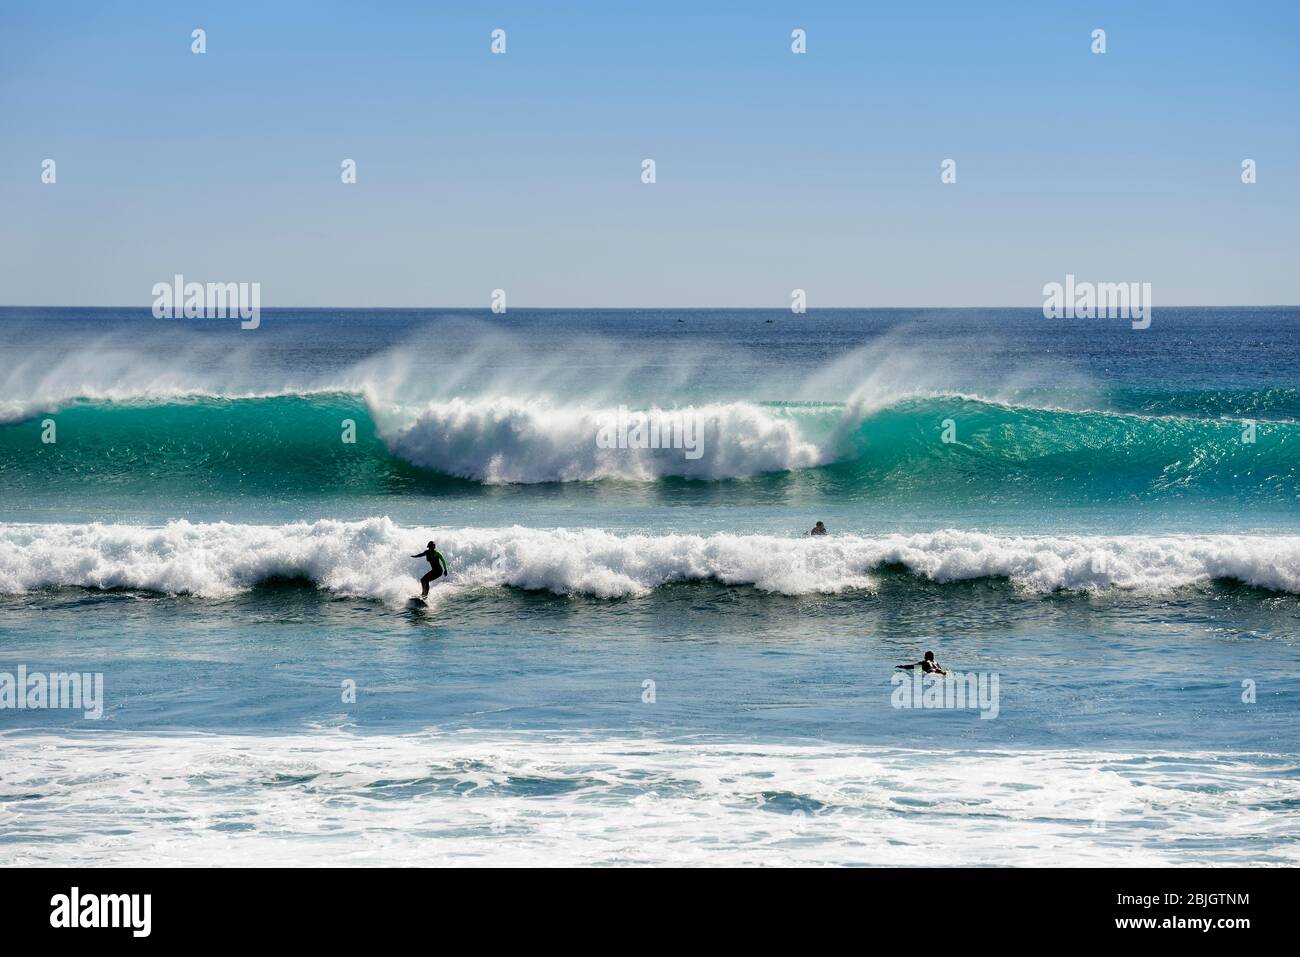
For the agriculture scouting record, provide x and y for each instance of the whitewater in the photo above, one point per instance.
(370, 559)
(501, 799)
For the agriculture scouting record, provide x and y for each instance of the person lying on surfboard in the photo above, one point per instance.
(926, 664)
(437, 567)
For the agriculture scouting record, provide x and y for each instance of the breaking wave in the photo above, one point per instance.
(369, 559)
(934, 444)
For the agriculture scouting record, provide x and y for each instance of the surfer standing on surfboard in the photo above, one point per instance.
(437, 567)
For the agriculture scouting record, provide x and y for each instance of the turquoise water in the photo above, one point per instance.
(1098, 534)
(283, 457)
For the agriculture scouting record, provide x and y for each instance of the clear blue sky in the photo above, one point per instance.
(775, 171)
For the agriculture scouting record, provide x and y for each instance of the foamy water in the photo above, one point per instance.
(504, 439)
(371, 559)
(334, 798)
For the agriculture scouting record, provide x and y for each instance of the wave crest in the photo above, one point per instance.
(506, 440)
(370, 559)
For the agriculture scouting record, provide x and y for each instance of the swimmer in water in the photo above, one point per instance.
(926, 664)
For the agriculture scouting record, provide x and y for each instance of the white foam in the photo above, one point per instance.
(370, 559)
(499, 440)
(508, 798)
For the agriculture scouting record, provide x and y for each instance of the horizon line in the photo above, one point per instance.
(785, 309)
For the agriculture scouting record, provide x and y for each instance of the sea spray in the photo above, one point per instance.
(290, 444)
(508, 440)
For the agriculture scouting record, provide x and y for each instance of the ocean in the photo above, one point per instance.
(640, 655)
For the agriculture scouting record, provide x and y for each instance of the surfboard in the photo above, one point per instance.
(416, 603)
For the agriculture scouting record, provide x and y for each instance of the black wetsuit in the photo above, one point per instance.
(437, 567)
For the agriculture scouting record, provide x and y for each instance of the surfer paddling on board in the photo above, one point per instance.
(818, 529)
(437, 567)
(926, 664)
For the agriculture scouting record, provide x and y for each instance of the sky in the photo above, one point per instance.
(775, 171)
